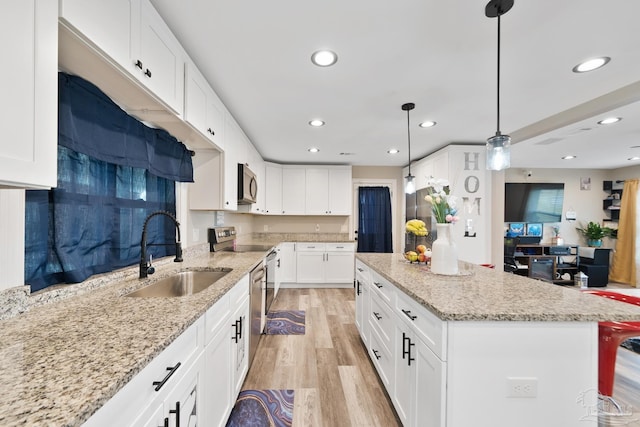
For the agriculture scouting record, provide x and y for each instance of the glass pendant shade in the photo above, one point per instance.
(498, 152)
(409, 184)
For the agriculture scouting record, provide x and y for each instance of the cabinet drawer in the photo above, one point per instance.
(382, 287)
(310, 247)
(382, 319)
(363, 274)
(427, 326)
(339, 247)
(239, 291)
(382, 360)
(215, 317)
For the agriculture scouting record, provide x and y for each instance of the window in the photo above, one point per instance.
(92, 223)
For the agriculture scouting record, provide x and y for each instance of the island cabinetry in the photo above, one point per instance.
(382, 330)
(419, 389)
(28, 154)
(133, 35)
(329, 263)
(363, 300)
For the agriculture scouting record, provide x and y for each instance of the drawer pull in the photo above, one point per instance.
(358, 287)
(339, 247)
(166, 422)
(375, 353)
(378, 285)
(172, 371)
(377, 315)
(409, 315)
(177, 412)
(360, 270)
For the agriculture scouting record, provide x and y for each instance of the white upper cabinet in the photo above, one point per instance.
(158, 58)
(273, 189)
(328, 191)
(133, 35)
(293, 190)
(29, 119)
(203, 109)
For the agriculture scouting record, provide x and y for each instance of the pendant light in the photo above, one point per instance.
(498, 146)
(409, 184)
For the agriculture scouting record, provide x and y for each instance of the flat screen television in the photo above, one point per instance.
(533, 202)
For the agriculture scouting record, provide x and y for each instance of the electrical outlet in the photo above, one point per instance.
(196, 234)
(522, 387)
(317, 228)
(266, 227)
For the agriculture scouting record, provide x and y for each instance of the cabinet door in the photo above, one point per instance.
(161, 66)
(287, 266)
(317, 191)
(363, 308)
(28, 151)
(195, 107)
(310, 267)
(405, 370)
(339, 267)
(233, 140)
(293, 191)
(340, 191)
(428, 404)
(240, 346)
(273, 202)
(183, 404)
(218, 379)
(106, 24)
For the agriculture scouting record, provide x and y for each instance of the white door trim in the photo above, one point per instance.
(374, 182)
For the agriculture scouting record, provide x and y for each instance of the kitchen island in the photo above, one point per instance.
(483, 347)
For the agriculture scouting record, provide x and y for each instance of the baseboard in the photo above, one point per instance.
(315, 285)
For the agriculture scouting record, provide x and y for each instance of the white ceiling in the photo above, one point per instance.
(441, 55)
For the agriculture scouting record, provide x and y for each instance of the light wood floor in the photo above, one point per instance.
(334, 381)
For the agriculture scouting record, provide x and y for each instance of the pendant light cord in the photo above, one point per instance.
(498, 91)
(409, 140)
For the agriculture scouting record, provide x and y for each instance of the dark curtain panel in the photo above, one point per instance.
(374, 220)
(92, 222)
(90, 123)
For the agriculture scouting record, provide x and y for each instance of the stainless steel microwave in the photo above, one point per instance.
(247, 185)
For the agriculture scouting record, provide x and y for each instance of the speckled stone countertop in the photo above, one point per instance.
(62, 361)
(484, 294)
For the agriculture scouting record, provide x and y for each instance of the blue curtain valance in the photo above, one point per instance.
(89, 122)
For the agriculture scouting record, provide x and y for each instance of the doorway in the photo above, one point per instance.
(391, 185)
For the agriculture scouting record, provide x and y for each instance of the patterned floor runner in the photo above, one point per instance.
(261, 408)
(290, 322)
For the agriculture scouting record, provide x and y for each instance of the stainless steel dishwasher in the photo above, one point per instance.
(257, 279)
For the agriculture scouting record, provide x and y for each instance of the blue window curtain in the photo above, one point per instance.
(92, 222)
(113, 171)
(374, 220)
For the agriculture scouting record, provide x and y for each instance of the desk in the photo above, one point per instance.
(547, 262)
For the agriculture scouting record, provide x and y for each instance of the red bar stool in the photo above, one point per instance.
(610, 336)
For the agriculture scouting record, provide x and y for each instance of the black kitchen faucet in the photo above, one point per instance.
(145, 267)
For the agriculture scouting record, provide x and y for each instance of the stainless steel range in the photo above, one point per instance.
(223, 239)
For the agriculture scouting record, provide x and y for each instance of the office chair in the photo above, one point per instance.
(510, 244)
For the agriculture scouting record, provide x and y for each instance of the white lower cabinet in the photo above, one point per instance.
(325, 262)
(403, 338)
(286, 264)
(196, 379)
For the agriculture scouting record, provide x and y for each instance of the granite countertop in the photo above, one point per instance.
(66, 351)
(62, 361)
(484, 294)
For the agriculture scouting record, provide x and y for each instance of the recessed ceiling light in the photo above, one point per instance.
(569, 157)
(427, 124)
(324, 58)
(393, 151)
(316, 123)
(609, 120)
(314, 150)
(591, 64)
(634, 158)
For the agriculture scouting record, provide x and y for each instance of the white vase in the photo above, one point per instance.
(444, 252)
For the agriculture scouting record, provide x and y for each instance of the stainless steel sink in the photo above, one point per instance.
(182, 283)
